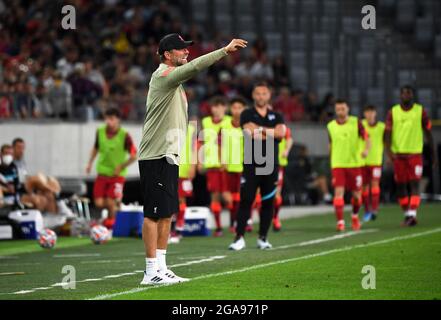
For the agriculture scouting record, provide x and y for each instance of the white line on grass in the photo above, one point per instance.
(113, 276)
(259, 266)
(76, 255)
(334, 237)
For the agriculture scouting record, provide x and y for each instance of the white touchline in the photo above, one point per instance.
(335, 237)
(76, 255)
(113, 276)
(309, 256)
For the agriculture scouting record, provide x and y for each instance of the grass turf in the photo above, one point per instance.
(408, 268)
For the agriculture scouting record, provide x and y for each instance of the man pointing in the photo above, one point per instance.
(165, 126)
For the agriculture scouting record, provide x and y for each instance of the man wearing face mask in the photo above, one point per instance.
(9, 182)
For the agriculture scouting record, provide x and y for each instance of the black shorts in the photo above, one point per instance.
(159, 187)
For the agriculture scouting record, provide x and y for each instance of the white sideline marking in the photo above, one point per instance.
(113, 276)
(335, 237)
(309, 256)
(104, 261)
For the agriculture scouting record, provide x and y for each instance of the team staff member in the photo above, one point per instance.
(165, 126)
(373, 163)
(345, 140)
(232, 157)
(116, 151)
(262, 127)
(406, 124)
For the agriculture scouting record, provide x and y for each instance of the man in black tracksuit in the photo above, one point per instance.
(263, 130)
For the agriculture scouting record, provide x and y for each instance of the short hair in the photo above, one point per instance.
(218, 100)
(341, 100)
(112, 112)
(238, 99)
(4, 147)
(17, 140)
(407, 87)
(262, 84)
(370, 107)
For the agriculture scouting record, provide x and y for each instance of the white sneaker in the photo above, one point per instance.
(156, 279)
(173, 277)
(238, 244)
(64, 210)
(263, 245)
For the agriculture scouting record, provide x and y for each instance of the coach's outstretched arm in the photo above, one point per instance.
(178, 75)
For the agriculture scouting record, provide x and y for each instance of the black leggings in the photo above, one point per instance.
(268, 186)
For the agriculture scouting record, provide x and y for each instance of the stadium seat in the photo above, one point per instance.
(386, 7)
(322, 78)
(330, 8)
(297, 41)
(405, 77)
(299, 76)
(437, 49)
(425, 96)
(274, 41)
(350, 25)
(223, 23)
(321, 41)
(309, 7)
(246, 24)
(222, 7)
(298, 58)
(199, 10)
(406, 14)
(244, 7)
(424, 33)
(320, 59)
(328, 25)
(375, 96)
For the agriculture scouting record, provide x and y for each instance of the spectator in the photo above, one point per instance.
(59, 96)
(280, 72)
(327, 108)
(261, 69)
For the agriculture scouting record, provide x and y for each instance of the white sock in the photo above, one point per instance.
(160, 256)
(151, 266)
(411, 213)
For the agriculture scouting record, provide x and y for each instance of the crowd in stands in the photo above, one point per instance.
(49, 72)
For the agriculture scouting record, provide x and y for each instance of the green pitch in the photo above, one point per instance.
(309, 261)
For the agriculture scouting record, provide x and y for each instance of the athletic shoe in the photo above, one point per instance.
(218, 233)
(173, 277)
(367, 216)
(238, 244)
(355, 223)
(374, 216)
(109, 223)
(276, 224)
(263, 244)
(341, 226)
(409, 222)
(156, 279)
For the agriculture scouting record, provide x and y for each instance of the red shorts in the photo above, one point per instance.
(185, 188)
(371, 173)
(217, 180)
(108, 187)
(280, 176)
(408, 168)
(234, 181)
(349, 178)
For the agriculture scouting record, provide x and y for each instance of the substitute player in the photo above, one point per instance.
(372, 163)
(346, 134)
(116, 151)
(284, 148)
(232, 157)
(164, 130)
(217, 184)
(406, 124)
(263, 130)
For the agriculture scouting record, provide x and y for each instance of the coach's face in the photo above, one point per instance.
(341, 110)
(261, 96)
(177, 57)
